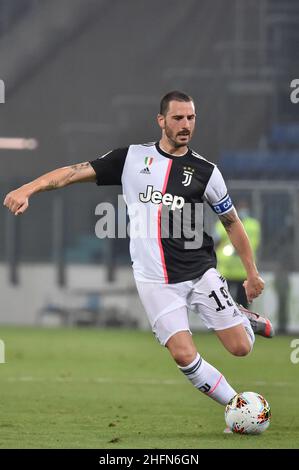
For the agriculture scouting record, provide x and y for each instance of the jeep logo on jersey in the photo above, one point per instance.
(148, 161)
(175, 202)
(188, 173)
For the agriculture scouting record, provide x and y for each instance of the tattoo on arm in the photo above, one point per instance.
(67, 175)
(80, 172)
(80, 166)
(229, 219)
(52, 185)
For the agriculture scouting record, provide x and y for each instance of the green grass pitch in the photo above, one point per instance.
(111, 389)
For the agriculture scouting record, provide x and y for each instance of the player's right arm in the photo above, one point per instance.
(17, 201)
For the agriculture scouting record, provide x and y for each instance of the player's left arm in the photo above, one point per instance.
(219, 200)
(254, 284)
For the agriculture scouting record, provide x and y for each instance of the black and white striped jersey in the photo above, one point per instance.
(158, 188)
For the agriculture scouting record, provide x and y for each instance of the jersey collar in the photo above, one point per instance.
(168, 155)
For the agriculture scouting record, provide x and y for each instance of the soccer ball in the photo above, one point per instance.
(248, 413)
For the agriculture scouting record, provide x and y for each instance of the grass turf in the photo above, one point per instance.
(103, 389)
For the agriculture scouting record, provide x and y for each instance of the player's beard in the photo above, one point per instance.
(173, 137)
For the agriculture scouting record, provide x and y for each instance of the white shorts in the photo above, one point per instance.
(167, 305)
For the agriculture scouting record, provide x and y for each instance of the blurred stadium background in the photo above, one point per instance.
(82, 77)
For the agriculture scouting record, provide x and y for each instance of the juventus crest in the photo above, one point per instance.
(187, 173)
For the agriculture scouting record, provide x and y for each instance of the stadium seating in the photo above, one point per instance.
(279, 161)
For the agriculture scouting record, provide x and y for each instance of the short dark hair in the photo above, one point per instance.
(173, 96)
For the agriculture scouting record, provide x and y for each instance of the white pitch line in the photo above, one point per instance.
(141, 381)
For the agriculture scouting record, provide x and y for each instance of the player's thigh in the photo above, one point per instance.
(235, 340)
(168, 328)
(166, 308)
(212, 301)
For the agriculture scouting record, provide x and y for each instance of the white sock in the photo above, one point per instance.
(208, 380)
(249, 330)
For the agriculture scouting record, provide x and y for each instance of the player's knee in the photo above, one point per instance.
(240, 349)
(183, 356)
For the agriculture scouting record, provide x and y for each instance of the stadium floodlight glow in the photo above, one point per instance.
(18, 143)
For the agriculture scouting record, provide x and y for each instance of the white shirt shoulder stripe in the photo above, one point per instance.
(196, 155)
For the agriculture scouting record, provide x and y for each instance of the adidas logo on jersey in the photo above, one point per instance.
(156, 197)
(236, 313)
(146, 171)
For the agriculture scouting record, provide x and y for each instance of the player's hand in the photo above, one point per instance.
(253, 286)
(17, 201)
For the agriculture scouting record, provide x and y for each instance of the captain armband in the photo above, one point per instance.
(223, 206)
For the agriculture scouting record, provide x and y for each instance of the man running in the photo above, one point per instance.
(175, 272)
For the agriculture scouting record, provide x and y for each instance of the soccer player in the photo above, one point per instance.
(165, 180)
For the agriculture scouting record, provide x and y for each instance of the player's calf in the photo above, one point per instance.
(237, 340)
(208, 380)
(239, 349)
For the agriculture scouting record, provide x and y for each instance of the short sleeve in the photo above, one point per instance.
(216, 193)
(109, 167)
